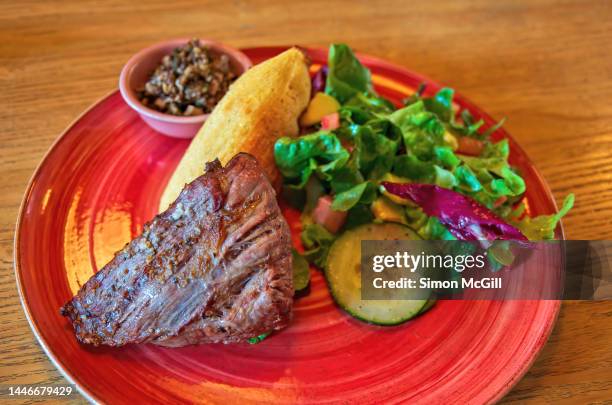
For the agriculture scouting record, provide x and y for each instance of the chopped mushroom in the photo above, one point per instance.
(190, 81)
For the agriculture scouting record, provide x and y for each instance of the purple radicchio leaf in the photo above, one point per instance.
(318, 80)
(465, 218)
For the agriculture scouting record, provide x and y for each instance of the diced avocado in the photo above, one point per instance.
(321, 105)
(392, 178)
(451, 140)
(388, 211)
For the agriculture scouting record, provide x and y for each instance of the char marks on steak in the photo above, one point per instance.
(214, 267)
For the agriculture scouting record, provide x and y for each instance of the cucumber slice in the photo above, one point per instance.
(430, 303)
(344, 277)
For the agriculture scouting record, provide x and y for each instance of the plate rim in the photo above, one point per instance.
(16, 263)
(90, 397)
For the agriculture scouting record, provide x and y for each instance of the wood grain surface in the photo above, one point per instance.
(545, 65)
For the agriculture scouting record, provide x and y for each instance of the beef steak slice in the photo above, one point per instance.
(214, 267)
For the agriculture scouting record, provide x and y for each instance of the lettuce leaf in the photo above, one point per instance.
(355, 115)
(494, 173)
(298, 158)
(358, 215)
(467, 180)
(468, 127)
(312, 192)
(301, 271)
(445, 157)
(543, 227)
(346, 177)
(429, 228)
(491, 130)
(411, 167)
(421, 130)
(441, 104)
(317, 241)
(346, 76)
(500, 149)
(370, 102)
(364, 193)
(444, 178)
(376, 145)
(434, 230)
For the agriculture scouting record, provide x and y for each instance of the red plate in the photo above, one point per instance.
(101, 181)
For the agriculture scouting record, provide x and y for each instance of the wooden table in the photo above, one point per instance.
(546, 65)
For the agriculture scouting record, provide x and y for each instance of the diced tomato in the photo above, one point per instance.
(325, 216)
(469, 146)
(330, 121)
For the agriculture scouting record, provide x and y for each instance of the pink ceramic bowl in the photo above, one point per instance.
(138, 69)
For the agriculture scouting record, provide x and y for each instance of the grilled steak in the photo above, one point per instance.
(214, 267)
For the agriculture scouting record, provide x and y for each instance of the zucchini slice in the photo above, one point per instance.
(343, 273)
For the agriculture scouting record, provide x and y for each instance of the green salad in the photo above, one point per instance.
(355, 140)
